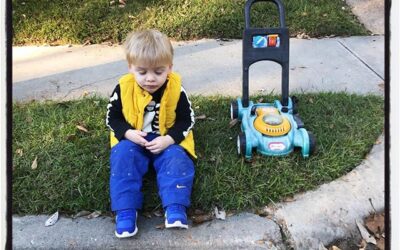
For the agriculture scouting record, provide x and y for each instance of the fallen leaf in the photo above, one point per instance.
(380, 244)
(362, 245)
(87, 42)
(70, 137)
(260, 100)
(158, 213)
(219, 214)
(364, 233)
(80, 214)
(82, 128)
(378, 141)
(198, 219)
(233, 123)
(375, 223)
(95, 214)
(289, 199)
(321, 247)
(260, 242)
(381, 85)
(334, 248)
(200, 117)
(303, 36)
(29, 119)
(34, 164)
(52, 220)
(311, 100)
(160, 226)
(261, 212)
(147, 215)
(85, 93)
(19, 152)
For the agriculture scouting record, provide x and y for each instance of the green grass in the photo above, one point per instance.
(73, 21)
(73, 168)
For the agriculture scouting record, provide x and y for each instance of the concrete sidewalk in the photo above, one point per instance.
(353, 64)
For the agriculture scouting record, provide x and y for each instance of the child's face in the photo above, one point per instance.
(150, 78)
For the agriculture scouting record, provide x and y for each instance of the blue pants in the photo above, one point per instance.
(129, 162)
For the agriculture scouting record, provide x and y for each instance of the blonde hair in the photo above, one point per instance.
(148, 47)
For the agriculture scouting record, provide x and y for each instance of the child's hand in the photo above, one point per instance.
(157, 145)
(136, 136)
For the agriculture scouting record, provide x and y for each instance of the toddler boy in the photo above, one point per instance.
(151, 120)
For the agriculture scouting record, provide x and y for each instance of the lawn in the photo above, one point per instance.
(71, 169)
(97, 21)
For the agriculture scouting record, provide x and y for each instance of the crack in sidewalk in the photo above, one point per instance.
(361, 60)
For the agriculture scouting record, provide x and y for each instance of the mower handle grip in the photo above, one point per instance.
(278, 3)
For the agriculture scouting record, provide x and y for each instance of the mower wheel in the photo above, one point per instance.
(234, 110)
(313, 142)
(241, 144)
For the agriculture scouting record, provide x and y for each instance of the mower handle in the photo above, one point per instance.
(278, 3)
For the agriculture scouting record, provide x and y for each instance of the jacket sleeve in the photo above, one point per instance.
(184, 118)
(115, 119)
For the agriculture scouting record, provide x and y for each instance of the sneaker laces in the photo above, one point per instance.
(176, 208)
(126, 214)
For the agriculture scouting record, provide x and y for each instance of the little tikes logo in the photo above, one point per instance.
(276, 146)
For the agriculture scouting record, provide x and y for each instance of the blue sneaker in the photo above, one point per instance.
(126, 223)
(175, 216)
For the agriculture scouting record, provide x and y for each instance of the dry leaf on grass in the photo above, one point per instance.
(70, 137)
(52, 220)
(34, 164)
(82, 128)
(200, 117)
(233, 123)
(19, 152)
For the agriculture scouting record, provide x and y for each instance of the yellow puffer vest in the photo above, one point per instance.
(134, 100)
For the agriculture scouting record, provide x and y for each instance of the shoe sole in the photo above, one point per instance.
(126, 234)
(176, 224)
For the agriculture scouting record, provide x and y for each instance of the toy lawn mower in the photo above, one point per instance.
(272, 129)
